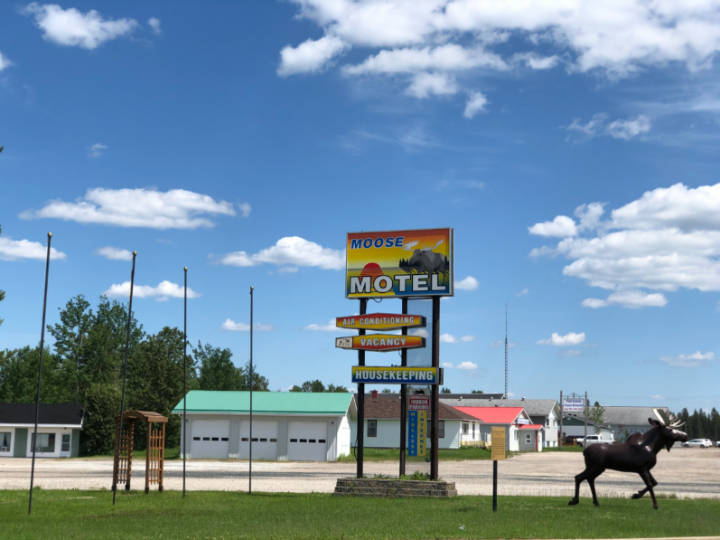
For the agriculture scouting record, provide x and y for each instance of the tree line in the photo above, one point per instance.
(701, 424)
(85, 366)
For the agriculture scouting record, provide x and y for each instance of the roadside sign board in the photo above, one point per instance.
(419, 402)
(573, 404)
(497, 448)
(379, 342)
(399, 263)
(396, 375)
(379, 321)
(417, 433)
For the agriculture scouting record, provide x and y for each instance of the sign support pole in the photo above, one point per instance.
(33, 441)
(494, 485)
(250, 441)
(361, 402)
(403, 397)
(435, 387)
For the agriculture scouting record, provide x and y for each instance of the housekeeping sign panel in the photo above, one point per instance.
(399, 263)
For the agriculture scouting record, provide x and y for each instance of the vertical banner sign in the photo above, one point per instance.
(422, 433)
(497, 449)
(412, 433)
(399, 263)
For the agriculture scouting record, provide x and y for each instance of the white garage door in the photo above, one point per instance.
(307, 441)
(210, 439)
(264, 439)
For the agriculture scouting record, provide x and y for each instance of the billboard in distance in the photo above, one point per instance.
(399, 263)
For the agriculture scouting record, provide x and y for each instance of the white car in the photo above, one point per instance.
(698, 443)
(592, 439)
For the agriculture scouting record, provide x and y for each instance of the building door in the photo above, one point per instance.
(307, 441)
(264, 439)
(210, 439)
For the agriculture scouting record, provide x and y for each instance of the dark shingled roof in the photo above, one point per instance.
(24, 413)
(388, 406)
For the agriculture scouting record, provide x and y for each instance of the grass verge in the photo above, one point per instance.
(390, 454)
(90, 514)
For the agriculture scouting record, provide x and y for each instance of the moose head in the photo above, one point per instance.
(669, 433)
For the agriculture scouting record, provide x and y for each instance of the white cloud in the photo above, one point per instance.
(97, 150)
(115, 254)
(453, 36)
(447, 338)
(13, 250)
(476, 103)
(447, 365)
(628, 299)
(589, 215)
(71, 27)
(627, 129)
(310, 56)
(174, 209)
(695, 359)
(617, 129)
(422, 332)
(426, 84)
(233, 326)
(329, 327)
(154, 24)
(290, 250)
(571, 338)
(469, 283)
(467, 339)
(161, 292)
(245, 209)
(4, 62)
(467, 365)
(561, 226)
(523, 292)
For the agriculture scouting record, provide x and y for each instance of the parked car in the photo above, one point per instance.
(697, 443)
(592, 439)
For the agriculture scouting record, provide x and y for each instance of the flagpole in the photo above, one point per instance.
(39, 377)
(124, 373)
(251, 393)
(184, 419)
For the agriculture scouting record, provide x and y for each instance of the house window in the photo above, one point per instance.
(5, 441)
(65, 444)
(372, 428)
(466, 428)
(441, 429)
(45, 442)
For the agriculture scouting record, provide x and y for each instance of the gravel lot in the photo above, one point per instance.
(684, 472)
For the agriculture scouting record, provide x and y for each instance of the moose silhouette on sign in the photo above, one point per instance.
(637, 454)
(425, 260)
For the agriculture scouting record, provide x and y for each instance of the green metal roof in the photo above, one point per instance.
(217, 401)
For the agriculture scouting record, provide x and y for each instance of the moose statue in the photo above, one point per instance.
(637, 454)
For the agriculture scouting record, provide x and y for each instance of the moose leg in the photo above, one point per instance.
(591, 482)
(649, 482)
(645, 490)
(579, 478)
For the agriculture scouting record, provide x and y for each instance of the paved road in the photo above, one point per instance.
(684, 472)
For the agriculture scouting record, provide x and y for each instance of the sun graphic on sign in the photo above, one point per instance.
(372, 269)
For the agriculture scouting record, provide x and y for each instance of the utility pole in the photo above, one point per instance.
(506, 353)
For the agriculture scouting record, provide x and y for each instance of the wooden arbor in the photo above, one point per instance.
(155, 456)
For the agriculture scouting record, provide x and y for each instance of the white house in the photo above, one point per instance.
(58, 433)
(300, 426)
(382, 424)
(545, 412)
(520, 436)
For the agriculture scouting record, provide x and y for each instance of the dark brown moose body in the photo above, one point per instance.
(637, 454)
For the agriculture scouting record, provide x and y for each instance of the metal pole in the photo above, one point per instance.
(561, 438)
(39, 378)
(124, 371)
(403, 397)
(361, 402)
(251, 393)
(435, 396)
(495, 470)
(184, 419)
(585, 411)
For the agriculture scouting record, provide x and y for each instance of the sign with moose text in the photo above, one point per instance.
(416, 263)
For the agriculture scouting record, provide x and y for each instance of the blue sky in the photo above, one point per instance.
(572, 148)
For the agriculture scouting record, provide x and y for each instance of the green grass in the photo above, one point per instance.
(390, 454)
(572, 448)
(90, 514)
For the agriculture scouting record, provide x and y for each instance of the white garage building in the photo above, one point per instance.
(296, 426)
